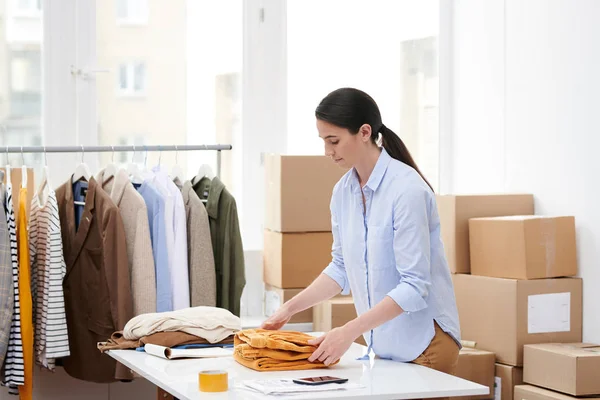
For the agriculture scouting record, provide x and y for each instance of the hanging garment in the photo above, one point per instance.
(48, 270)
(211, 323)
(7, 295)
(137, 233)
(156, 206)
(26, 390)
(265, 350)
(97, 288)
(176, 223)
(201, 261)
(14, 375)
(226, 240)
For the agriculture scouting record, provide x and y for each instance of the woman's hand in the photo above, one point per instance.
(332, 345)
(278, 320)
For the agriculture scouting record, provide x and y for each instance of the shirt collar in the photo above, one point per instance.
(377, 174)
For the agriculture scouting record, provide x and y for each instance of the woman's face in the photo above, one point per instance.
(341, 146)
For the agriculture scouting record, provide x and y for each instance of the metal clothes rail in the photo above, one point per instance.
(120, 148)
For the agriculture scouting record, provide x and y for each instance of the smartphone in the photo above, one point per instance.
(320, 380)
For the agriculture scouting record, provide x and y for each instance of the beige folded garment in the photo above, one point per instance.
(212, 323)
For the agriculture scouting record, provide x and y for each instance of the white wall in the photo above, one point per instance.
(525, 115)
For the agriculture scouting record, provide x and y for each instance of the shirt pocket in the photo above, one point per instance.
(380, 242)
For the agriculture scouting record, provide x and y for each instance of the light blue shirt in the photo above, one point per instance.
(156, 217)
(393, 249)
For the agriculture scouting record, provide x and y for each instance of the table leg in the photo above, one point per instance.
(162, 395)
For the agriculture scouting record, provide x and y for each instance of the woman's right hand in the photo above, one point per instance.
(277, 320)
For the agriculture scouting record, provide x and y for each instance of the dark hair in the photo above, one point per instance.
(351, 108)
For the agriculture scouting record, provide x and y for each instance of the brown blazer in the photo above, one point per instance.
(96, 287)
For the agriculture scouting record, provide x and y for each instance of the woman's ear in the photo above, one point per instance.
(365, 132)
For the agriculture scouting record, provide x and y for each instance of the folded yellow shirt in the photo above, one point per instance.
(264, 350)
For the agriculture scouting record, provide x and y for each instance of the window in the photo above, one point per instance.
(20, 79)
(395, 62)
(133, 12)
(32, 7)
(132, 78)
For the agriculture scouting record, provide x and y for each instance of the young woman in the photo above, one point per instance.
(386, 249)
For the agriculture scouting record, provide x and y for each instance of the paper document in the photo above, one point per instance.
(287, 386)
(169, 353)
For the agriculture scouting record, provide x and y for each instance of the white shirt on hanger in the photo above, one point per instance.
(176, 238)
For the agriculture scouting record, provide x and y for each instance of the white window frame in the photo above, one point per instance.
(129, 90)
(132, 20)
(31, 11)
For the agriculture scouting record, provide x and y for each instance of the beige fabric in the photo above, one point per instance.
(201, 262)
(211, 323)
(137, 233)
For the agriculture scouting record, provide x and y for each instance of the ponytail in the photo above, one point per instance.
(351, 108)
(398, 150)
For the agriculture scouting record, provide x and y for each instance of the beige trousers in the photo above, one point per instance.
(441, 354)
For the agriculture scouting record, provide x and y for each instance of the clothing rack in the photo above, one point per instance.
(120, 148)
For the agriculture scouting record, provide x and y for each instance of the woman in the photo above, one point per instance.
(386, 245)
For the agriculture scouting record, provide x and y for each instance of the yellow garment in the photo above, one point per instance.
(26, 390)
(278, 340)
(264, 350)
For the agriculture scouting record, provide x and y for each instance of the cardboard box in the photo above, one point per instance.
(334, 313)
(294, 260)
(502, 315)
(528, 392)
(523, 247)
(275, 297)
(298, 192)
(507, 377)
(455, 212)
(477, 366)
(571, 368)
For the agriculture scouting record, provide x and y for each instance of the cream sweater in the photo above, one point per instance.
(211, 323)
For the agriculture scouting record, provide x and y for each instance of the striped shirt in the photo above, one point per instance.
(14, 371)
(7, 296)
(48, 269)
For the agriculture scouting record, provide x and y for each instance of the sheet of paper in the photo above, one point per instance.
(287, 386)
(548, 313)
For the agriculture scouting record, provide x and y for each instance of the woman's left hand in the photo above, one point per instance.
(332, 345)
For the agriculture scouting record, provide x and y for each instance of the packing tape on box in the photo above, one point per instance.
(213, 381)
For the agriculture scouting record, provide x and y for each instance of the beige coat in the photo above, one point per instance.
(201, 262)
(137, 233)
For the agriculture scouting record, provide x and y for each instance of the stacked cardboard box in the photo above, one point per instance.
(560, 371)
(515, 288)
(334, 313)
(477, 366)
(297, 235)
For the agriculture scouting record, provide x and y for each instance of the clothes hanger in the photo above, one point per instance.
(8, 181)
(82, 171)
(23, 171)
(204, 171)
(111, 169)
(177, 172)
(44, 187)
(133, 170)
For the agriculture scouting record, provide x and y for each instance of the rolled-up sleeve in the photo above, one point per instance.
(336, 269)
(412, 250)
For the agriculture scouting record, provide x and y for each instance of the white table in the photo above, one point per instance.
(383, 379)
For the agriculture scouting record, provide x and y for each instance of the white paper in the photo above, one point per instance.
(287, 386)
(497, 388)
(169, 353)
(548, 313)
(272, 302)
